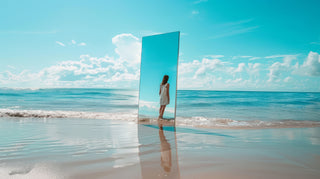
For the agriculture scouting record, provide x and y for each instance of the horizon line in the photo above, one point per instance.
(36, 88)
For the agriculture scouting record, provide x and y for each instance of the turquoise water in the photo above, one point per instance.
(63, 133)
(194, 107)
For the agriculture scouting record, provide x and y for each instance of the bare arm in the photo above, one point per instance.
(160, 90)
(168, 92)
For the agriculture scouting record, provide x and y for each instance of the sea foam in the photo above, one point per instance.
(196, 121)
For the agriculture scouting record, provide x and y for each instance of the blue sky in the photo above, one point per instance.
(224, 45)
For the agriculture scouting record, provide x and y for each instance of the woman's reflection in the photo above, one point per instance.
(166, 161)
(158, 158)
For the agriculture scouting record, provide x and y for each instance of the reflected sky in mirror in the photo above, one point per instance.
(159, 57)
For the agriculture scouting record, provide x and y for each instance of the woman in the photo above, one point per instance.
(164, 95)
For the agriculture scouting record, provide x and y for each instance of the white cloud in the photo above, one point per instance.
(254, 58)
(311, 65)
(234, 81)
(254, 69)
(149, 104)
(207, 65)
(199, 74)
(278, 68)
(220, 75)
(128, 47)
(287, 79)
(241, 68)
(82, 44)
(60, 43)
(246, 56)
(88, 71)
(214, 56)
(73, 42)
(281, 56)
(12, 67)
(236, 57)
(188, 67)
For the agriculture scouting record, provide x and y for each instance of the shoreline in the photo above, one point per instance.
(196, 121)
(73, 148)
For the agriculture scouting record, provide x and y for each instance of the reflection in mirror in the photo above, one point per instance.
(158, 151)
(158, 78)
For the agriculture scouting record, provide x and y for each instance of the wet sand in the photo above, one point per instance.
(86, 148)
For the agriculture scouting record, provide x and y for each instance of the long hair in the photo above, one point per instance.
(165, 79)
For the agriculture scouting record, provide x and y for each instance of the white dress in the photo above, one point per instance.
(164, 100)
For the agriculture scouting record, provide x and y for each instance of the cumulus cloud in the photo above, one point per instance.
(287, 79)
(278, 68)
(88, 71)
(241, 68)
(254, 68)
(128, 47)
(199, 74)
(209, 73)
(278, 73)
(234, 81)
(311, 65)
(206, 65)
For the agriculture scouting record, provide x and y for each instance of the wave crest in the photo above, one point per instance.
(225, 123)
(66, 114)
(202, 122)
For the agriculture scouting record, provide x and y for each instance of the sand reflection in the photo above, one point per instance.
(158, 151)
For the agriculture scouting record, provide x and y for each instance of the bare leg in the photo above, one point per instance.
(162, 111)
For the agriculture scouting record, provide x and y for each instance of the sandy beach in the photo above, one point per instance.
(86, 148)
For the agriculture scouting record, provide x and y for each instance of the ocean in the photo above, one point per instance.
(197, 108)
(93, 133)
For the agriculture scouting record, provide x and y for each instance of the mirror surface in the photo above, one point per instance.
(159, 57)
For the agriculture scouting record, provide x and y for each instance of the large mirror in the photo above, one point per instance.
(158, 78)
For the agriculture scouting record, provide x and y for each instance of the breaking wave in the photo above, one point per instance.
(197, 121)
(66, 114)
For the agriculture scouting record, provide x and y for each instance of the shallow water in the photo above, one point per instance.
(215, 109)
(93, 133)
(95, 148)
